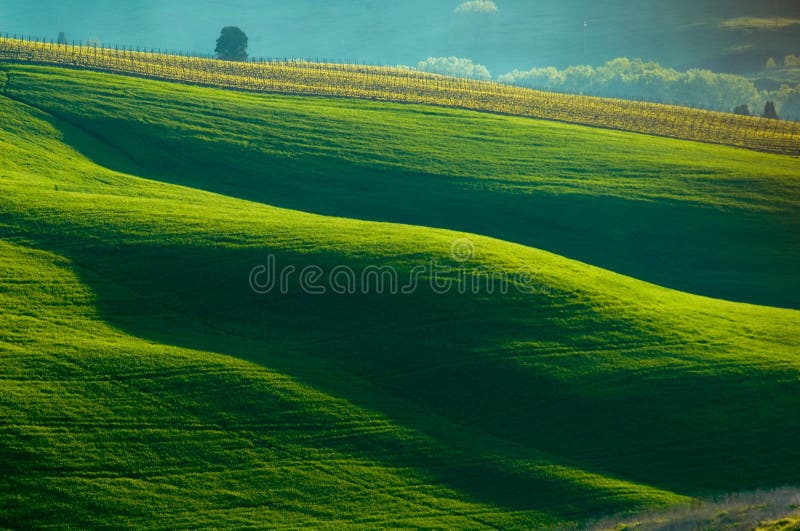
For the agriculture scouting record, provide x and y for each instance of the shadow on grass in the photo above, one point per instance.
(439, 365)
(726, 254)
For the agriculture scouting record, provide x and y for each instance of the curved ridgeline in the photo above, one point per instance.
(409, 86)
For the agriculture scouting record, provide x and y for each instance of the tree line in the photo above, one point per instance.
(649, 81)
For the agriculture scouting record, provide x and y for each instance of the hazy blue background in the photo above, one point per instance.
(522, 34)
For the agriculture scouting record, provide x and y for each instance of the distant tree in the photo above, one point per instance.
(743, 109)
(791, 61)
(769, 111)
(771, 64)
(62, 38)
(232, 44)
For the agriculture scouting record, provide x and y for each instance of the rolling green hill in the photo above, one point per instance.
(144, 383)
(711, 221)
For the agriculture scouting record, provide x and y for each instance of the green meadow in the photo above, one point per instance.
(647, 357)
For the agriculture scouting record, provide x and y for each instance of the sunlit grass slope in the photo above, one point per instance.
(143, 383)
(705, 219)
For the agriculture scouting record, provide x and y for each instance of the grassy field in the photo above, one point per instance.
(143, 382)
(777, 510)
(709, 220)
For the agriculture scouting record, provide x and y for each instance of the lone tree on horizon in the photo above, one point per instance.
(232, 44)
(769, 110)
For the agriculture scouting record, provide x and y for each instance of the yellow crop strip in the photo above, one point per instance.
(409, 86)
